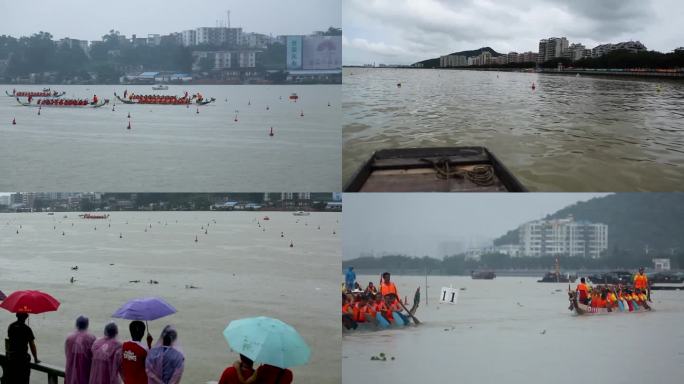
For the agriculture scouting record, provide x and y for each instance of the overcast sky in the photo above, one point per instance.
(91, 19)
(406, 31)
(416, 223)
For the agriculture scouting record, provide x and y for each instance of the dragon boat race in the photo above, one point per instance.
(519, 289)
(212, 267)
(161, 140)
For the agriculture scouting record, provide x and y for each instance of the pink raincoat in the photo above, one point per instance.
(106, 361)
(79, 355)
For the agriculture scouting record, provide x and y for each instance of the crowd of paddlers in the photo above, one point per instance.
(625, 298)
(64, 102)
(371, 305)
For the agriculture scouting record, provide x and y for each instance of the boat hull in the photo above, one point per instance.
(449, 169)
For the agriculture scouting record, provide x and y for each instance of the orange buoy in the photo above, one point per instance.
(271, 133)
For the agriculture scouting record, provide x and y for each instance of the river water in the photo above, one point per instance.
(241, 271)
(172, 148)
(515, 330)
(570, 134)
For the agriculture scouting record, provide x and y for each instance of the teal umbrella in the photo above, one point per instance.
(267, 340)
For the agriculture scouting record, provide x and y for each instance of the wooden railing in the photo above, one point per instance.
(52, 371)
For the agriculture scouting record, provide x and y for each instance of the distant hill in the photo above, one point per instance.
(434, 63)
(635, 220)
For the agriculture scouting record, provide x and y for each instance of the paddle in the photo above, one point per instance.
(415, 320)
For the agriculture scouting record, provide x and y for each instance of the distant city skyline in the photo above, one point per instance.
(407, 31)
(423, 224)
(65, 19)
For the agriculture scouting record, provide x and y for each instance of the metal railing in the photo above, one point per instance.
(53, 372)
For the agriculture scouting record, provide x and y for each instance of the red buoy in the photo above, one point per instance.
(533, 86)
(129, 125)
(302, 113)
(271, 133)
(14, 121)
(236, 118)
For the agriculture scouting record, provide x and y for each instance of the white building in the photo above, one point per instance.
(563, 237)
(578, 52)
(247, 59)
(67, 42)
(453, 61)
(222, 60)
(631, 46)
(218, 36)
(154, 39)
(552, 48)
(189, 37)
(661, 264)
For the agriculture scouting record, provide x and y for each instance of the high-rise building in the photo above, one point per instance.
(189, 37)
(563, 237)
(552, 48)
(577, 52)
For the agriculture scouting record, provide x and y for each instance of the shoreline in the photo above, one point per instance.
(567, 72)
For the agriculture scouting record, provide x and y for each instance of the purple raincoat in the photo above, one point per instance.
(79, 355)
(165, 364)
(106, 361)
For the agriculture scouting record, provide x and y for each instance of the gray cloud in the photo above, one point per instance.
(427, 28)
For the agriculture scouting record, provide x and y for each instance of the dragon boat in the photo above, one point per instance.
(42, 94)
(398, 321)
(64, 103)
(173, 100)
(583, 309)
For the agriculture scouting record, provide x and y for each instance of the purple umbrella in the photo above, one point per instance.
(146, 308)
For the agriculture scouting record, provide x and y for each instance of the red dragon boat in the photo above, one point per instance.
(46, 93)
(94, 216)
(64, 103)
(164, 100)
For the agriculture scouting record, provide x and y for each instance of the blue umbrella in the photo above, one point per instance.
(267, 340)
(146, 308)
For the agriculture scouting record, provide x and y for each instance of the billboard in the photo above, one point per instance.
(322, 52)
(294, 52)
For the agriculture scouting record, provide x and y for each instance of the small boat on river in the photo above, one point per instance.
(448, 169)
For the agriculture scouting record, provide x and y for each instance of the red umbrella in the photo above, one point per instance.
(30, 302)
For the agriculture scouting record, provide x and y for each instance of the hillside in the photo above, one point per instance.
(635, 220)
(434, 63)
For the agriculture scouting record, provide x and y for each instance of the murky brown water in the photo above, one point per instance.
(241, 270)
(515, 330)
(570, 134)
